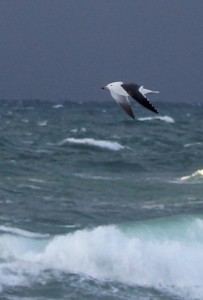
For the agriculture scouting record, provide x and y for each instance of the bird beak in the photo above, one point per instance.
(104, 87)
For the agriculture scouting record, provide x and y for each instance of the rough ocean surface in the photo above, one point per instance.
(97, 206)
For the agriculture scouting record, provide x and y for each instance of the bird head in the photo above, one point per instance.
(112, 85)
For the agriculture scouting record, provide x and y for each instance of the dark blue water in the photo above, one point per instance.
(97, 206)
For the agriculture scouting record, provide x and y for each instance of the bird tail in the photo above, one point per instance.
(151, 92)
(145, 91)
(154, 92)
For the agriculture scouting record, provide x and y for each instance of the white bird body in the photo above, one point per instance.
(121, 92)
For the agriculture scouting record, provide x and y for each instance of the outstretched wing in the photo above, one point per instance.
(123, 102)
(134, 91)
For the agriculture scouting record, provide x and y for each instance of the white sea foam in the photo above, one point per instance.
(76, 130)
(158, 255)
(29, 186)
(25, 120)
(21, 232)
(58, 106)
(197, 175)
(37, 180)
(114, 146)
(43, 123)
(96, 177)
(192, 144)
(166, 119)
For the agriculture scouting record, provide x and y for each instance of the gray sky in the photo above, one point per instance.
(67, 49)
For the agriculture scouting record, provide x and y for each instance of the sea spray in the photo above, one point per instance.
(161, 253)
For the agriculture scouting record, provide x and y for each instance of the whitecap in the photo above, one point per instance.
(25, 120)
(58, 106)
(192, 144)
(43, 123)
(197, 175)
(114, 146)
(95, 177)
(29, 186)
(21, 232)
(166, 119)
(76, 130)
(161, 254)
(37, 180)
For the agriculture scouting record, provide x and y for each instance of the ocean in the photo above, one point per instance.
(95, 205)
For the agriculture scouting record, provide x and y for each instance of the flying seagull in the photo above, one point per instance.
(122, 91)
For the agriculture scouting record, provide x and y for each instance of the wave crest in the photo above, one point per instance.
(166, 119)
(114, 146)
(159, 253)
(196, 176)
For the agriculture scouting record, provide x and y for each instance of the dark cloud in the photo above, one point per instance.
(67, 49)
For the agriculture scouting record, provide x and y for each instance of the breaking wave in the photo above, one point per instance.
(166, 119)
(194, 177)
(162, 254)
(114, 146)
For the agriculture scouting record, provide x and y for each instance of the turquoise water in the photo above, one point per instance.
(95, 205)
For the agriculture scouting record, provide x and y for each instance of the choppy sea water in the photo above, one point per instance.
(97, 206)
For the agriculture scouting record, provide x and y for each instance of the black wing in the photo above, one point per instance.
(133, 90)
